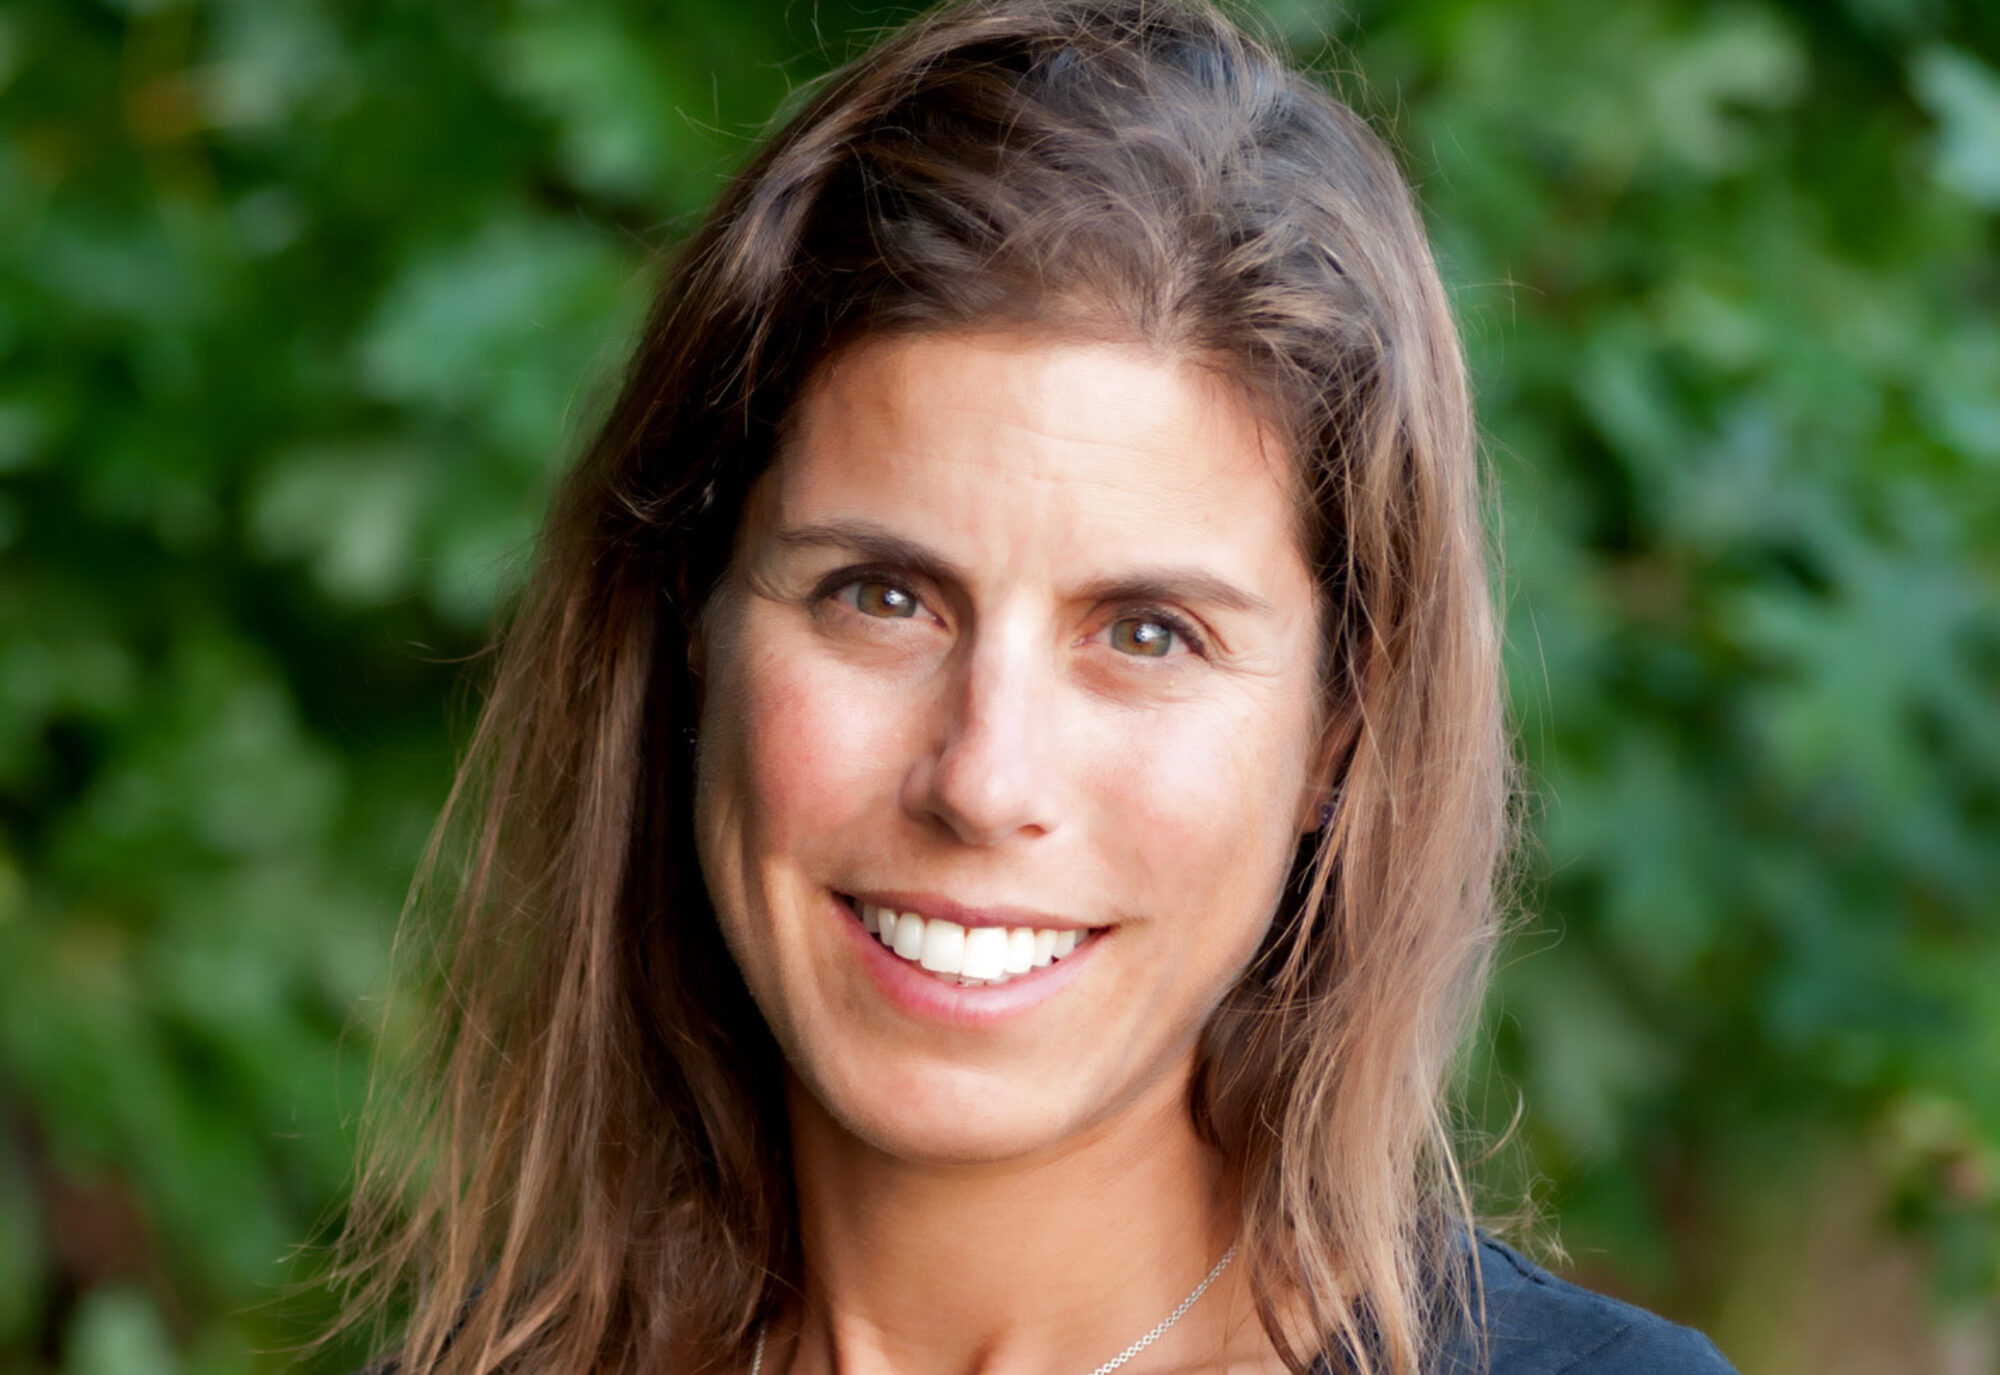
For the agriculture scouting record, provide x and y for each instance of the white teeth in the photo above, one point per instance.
(1045, 947)
(944, 946)
(973, 957)
(1020, 950)
(985, 953)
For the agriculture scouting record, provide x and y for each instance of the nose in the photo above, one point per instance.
(990, 771)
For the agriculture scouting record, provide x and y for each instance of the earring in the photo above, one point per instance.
(1325, 815)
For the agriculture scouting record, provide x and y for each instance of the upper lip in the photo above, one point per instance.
(933, 905)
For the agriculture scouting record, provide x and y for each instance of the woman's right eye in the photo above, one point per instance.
(875, 597)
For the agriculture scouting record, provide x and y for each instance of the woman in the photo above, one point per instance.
(984, 834)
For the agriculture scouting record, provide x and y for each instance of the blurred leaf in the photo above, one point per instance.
(1738, 62)
(354, 512)
(119, 1332)
(1589, 1057)
(268, 60)
(499, 332)
(1963, 95)
(606, 89)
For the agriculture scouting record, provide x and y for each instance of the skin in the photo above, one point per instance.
(1013, 622)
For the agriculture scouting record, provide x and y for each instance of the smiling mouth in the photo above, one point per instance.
(968, 956)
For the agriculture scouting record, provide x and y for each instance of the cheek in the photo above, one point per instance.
(795, 752)
(1203, 812)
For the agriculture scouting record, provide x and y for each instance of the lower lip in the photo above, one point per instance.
(924, 995)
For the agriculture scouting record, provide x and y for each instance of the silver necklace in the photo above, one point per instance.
(1180, 1311)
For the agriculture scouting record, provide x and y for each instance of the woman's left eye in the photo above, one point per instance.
(1148, 636)
(879, 598)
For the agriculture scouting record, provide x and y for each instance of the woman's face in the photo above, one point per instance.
(1016, 640)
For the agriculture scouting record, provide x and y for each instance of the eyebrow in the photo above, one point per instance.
(1157, 584)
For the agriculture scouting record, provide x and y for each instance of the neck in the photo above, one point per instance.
(1047, 1265)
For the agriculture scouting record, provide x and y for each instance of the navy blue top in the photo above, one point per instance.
(1537, 1324)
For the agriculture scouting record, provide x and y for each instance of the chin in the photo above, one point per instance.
(943, 1115)
(950, 1114)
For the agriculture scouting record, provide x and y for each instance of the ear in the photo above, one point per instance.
(697, 665)
(1330, 757)
(699, 626)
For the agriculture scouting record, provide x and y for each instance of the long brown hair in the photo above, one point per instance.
(591, 1173)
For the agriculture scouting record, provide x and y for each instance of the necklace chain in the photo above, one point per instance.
(1159, 1331)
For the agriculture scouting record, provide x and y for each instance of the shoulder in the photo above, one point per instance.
(1537, 1324)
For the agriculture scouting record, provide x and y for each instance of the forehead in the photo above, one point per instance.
(1084, 435)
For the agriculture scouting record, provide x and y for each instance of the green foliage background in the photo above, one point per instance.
(301, 302)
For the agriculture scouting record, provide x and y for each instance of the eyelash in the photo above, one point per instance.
(834, 584)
